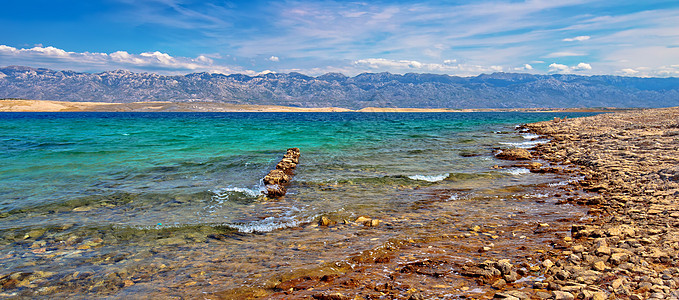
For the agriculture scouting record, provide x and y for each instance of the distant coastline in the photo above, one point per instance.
(21, 105)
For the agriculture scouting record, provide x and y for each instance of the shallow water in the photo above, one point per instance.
(168, 203)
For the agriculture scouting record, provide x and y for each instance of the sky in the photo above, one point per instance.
(462, 38)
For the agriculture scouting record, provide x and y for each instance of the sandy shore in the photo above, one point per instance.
(623, 170)
(66, 106)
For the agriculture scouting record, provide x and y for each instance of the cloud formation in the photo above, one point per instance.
(156, 61)
(412, 66)
(560, 68)
(458, 38)
(577, 38)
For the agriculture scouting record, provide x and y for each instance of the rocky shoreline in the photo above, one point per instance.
(624, 171)
(631, 160)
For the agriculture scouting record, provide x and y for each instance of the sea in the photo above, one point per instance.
(171, 204)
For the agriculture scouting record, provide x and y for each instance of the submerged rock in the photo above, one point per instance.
(514, 154)
(325, 221)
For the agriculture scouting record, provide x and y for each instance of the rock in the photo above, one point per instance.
(504, 266)
(563, 275)
(276, 190)
(599, 296)
(618, 258)
(276, 177)
(617, 283)
(499, 284)
(599, 266)
(505, 296)
(603, 250)
(514, 154)
(333, 296)
(559, 295)
(325, 221)
(578, 248)
(511, 277)
(534, 166)
(547, 263)
(368, 221)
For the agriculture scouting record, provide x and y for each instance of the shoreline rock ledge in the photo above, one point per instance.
(277, 179)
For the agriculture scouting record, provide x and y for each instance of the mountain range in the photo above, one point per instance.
(497, 90)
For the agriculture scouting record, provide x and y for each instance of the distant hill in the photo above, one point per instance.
(497, 90)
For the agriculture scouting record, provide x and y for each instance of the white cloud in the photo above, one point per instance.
(554, 67)
(629, 72)
(582, 67)
(405, 66)
(560, 68)
(577, 38)
(274, 58)
(126, 58)
(157, 61)
(450, 61)
(524, 68)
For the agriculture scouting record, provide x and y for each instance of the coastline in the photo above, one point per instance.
(21, 105)
(623, 169)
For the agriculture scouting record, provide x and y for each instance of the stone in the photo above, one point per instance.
(325, 221)
(559, 295)
(512, 276)
(618, 258)
(617, 283)
(505, 296)
(514, 154)
(499, 284)
(578, 248)
(603, 250)
(275, 190)
(504, 266)
(599, 296)
(547, 263)
(599, 265)
(276, 177)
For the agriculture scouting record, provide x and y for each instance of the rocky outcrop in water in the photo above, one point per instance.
(279, 177)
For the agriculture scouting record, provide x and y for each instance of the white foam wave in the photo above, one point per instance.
(224, 193)
(430, 178)
(527, 144)
(268, 224)
(530, 136)
(516, 171)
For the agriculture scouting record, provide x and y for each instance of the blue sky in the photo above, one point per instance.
(465, 38)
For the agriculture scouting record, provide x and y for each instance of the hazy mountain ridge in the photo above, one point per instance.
(498, 90)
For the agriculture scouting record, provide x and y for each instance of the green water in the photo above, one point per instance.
(130, 185)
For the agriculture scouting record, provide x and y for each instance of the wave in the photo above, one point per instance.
(270, 224)
(516, 171)
(430, 178)
(225, 194)
(527, 144)
(530, 136)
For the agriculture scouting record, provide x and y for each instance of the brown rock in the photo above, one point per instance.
(499, 284)
(618, 258)
(276, 177)
(559, 295)
(514, 154)
(325, 221)
(275, 190)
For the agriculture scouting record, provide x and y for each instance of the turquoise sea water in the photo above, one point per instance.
(130, 183)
